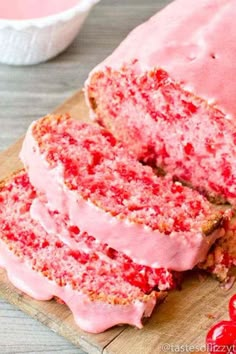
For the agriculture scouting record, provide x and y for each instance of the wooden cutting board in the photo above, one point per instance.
(177, 325)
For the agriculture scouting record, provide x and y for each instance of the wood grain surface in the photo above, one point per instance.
(180, 322)
(26, 93)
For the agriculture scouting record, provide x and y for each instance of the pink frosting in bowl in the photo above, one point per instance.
(33, 31)
(31, 9)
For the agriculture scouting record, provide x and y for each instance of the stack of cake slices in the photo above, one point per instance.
(89, 220)
(89, 224)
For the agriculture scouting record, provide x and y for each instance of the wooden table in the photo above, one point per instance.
(26, 93)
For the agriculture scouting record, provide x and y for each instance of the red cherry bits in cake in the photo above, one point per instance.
(87, 176)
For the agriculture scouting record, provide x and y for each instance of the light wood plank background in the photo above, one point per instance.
(26, 93)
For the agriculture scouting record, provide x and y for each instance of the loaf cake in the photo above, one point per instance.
(88, 177)
(101, 286)
(168, 93)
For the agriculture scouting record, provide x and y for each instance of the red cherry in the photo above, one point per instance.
(177, 188)
(232, 308)
(221, 338)
(189, 149)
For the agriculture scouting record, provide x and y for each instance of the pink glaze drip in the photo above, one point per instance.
(195, 42)
(30, 9)
(91, 316)
(176, 251)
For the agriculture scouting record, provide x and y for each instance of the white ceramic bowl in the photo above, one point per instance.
(31, 41)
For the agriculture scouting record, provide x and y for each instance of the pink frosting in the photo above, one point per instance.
(195, 42)
(29, 9)
(91, 316)
(178, 251)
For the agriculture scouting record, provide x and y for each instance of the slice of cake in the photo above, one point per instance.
(102, 287)
(103, 190)
(168, 93)
(219, 261)
(145, 277)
